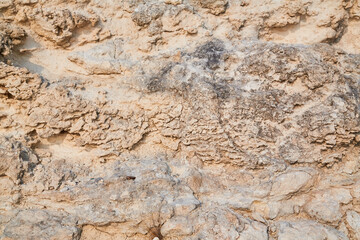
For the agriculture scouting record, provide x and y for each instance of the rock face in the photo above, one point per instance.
(179, 119)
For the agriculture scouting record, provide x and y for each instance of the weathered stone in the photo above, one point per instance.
(41, 224)
(327, 210)
(290, 182)
(307, 230)
(353, 219)
(179, 119)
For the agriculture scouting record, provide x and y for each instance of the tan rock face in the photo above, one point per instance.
(179, 119)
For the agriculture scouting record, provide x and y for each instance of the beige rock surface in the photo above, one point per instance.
(179, 119)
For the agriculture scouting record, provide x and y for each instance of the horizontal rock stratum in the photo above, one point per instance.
(179, 119)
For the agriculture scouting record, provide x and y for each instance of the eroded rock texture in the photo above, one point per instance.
(179, 119)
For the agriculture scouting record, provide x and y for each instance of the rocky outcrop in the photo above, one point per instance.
(179, 120)
(10, 35)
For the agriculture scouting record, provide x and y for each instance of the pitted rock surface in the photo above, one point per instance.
(179, 119)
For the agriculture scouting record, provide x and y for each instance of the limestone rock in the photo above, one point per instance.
(353, 219)
(325, 210)
(290, 182)
(5, 3)
(179, 119)
(40, 224)
(215, 6)
(104, 59)
(18, 83)
(10, 35)
(58, 25)
(325, 206)
(307, 230)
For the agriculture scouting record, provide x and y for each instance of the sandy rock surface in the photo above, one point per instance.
(179, 119)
